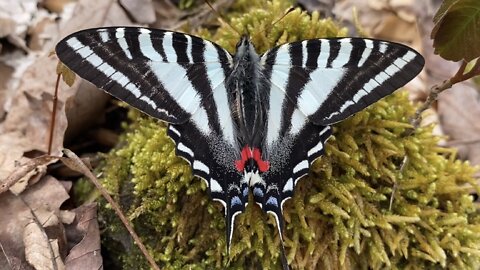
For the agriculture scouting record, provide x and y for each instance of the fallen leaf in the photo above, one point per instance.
(85, 234)
(141, 10)
(41, 252)
(459, 111)
(26, 126)
(167, 14)
(48, 194)
(17, 16)
(55, 5)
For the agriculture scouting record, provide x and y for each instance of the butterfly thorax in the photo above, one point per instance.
(245, 92)
(244, 89)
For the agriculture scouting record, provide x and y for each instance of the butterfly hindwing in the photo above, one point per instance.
(212, 161)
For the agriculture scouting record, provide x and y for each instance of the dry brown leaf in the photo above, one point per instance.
(88, 103)
(85, 234)
(55, 5)
(16, 16)
(67, 217)
(48, 194)
(26, 125)
(141, 10)
(167, 14)
(459, 111)
(30, 177)
(323, 6)
(41, 252)
(393, 20)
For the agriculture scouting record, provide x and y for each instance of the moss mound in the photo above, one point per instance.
(340, 216)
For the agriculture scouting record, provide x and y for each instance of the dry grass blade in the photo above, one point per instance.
(75, 163)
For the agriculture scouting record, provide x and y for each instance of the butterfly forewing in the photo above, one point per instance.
(331, 79)
(153, 70)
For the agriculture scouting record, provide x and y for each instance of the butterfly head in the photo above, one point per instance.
(245, 50)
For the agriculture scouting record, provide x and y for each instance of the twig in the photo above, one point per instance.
(23, 170)
(460, 76)
(75, 163)
(437, 89)
(6, 256)
(54, 116)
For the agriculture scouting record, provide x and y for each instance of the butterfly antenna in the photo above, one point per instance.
(283, 16)
(221, 18)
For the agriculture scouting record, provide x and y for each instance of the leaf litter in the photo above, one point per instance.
(26, 83)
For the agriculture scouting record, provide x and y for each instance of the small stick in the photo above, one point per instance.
(54, 115)
(459, 76)
(75, 163)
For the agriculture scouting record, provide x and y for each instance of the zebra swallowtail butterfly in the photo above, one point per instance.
(245, 122)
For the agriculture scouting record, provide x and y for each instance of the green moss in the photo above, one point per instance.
(339, 216)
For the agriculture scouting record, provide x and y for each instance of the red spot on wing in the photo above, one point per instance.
(246, 154)
(255, 154)
(263, 165)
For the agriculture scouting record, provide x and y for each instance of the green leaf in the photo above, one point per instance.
(442, 11)
(456, 34)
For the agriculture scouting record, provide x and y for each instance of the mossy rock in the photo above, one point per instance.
(340, 216)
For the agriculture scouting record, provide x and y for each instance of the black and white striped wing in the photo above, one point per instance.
(174, 77)
(315, 83)
(161, 73)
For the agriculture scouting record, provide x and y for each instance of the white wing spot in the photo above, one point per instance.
(215, 186)
(169, 50)
(74, 43)
(288, 186)
(383, 47)
(317, 148)
(106, 69)
(104, 35)
(324, 54)
(366, 52)
(198, 165)
(300, 166)
(174, 130)
(189, 49)
(344, 53)
(146, 46)
(304, 53)
(120, 36)
(182, 147)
